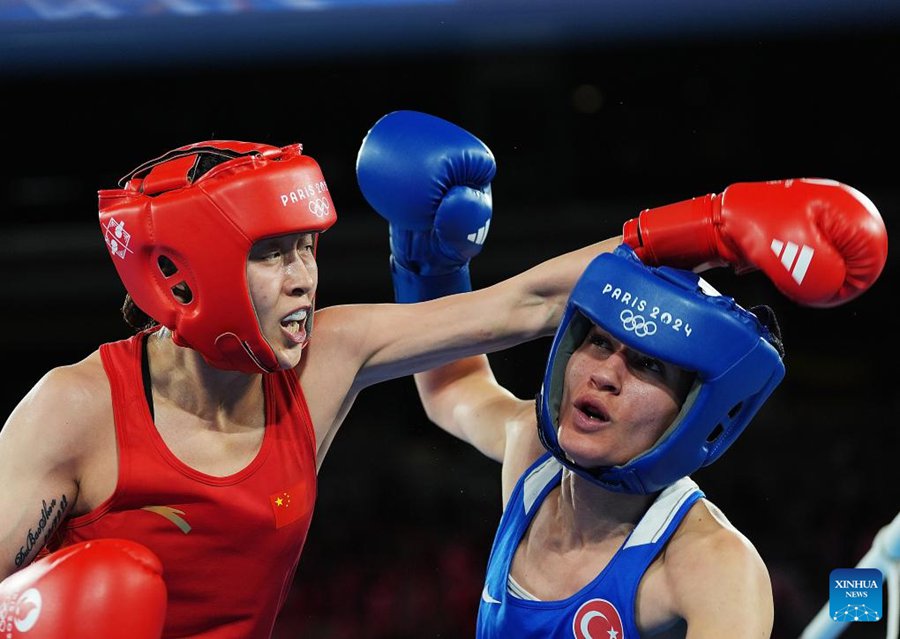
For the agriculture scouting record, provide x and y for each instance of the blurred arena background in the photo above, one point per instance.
(594, 110)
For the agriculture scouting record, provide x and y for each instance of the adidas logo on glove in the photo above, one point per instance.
(479, 236)
(787, 252)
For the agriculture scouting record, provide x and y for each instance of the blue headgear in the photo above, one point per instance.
(675, 316)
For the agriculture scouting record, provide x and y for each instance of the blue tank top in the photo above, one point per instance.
(604, 608)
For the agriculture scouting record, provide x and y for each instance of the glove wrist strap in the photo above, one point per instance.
(412, 287)
(682, 235)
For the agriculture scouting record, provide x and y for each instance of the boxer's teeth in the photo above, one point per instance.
(293, 321)
(295, 317)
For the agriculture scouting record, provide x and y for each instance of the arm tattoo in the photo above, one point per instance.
(51, 515)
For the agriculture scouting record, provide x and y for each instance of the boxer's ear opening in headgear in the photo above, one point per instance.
(676, 317)
(180, 290)
(166, 265)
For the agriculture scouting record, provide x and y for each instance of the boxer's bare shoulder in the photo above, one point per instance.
(68, 402)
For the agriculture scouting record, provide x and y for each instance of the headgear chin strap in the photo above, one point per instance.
(180, 229)
(677, 317)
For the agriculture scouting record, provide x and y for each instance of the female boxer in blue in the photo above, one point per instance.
(651, 376)
(603, 532)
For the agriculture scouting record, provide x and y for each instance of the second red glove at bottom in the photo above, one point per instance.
(103, 589)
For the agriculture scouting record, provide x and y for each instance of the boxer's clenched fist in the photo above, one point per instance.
(104, 589)
(432, 181)
(822, 243)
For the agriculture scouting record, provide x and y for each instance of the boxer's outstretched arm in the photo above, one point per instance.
(386, 341)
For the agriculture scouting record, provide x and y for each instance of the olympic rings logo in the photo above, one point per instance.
(319, 207)
(636, 323)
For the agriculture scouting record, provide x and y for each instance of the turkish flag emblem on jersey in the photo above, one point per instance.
(290, 505)
(597, 619)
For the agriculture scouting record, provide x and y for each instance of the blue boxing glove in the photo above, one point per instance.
(432, 181)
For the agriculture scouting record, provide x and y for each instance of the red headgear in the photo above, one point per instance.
(177, 222)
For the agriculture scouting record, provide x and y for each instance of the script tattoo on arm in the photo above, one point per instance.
(51, 515)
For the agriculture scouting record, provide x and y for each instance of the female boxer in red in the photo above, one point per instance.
(187, 455)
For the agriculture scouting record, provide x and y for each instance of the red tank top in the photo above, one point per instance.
(229, 545)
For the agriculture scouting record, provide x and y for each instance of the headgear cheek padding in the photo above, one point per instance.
(674, 316)
(180, 231)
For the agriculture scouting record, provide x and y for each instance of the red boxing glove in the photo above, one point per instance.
(104, 589)
(822, 243)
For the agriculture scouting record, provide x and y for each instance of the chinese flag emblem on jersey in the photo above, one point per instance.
(289, 505)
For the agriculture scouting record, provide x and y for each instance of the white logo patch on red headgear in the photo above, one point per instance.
(597, 619)
(117, 238)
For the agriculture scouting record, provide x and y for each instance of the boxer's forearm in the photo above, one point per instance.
(539, 294)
